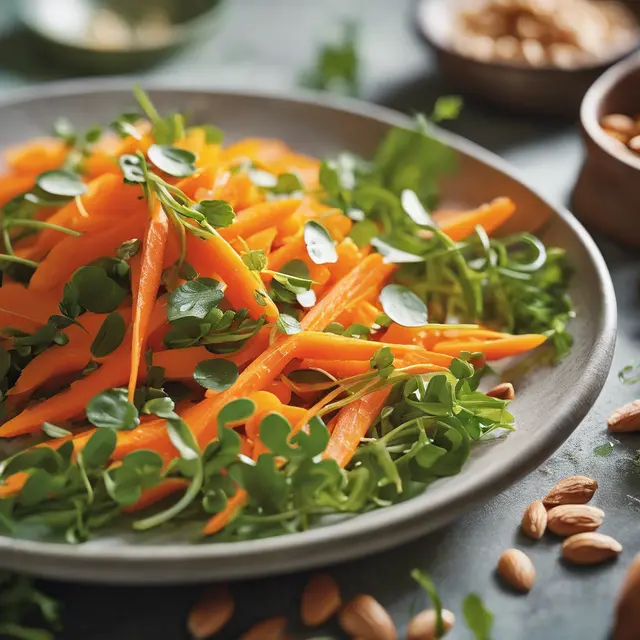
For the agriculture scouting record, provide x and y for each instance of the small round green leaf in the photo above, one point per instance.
(109, 336)
(111, 408)
(194, 298)
(236, 411)
(96, 291)
(218, 213)
(161, 407)
(178, 163)
(61, 183)
(403, 306)
(288, 324)
(99, 448)
(132, 168)
(320, 245)
(216, 374)
(54, 431)
(414, 209)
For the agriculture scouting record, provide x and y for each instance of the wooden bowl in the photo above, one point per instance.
(549, 90)
(607, 193)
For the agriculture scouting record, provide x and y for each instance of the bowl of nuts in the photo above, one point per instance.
(532, 55)
(607, 193)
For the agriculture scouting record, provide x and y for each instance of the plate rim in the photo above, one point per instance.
(393, 525)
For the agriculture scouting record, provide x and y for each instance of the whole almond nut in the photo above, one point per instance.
(569, 519)
(365, 617)
(320, 600)
(271, 629)
(423, 625)
(534, 520)
(571, 490)
(628, 605)
(617, 135)
(504, 391)
(211, 612)
(626, 418)
(590, 548)
(634, 143)
(516, 568)
(620, 123)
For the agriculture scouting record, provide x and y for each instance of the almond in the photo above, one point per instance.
(320, 600)
(569, 519)
(571, 490)
(504, 391)
(626, 418)
(534, 520)
(590, 548)
(619, 123)
(628, 606)
(516, 568)
(271, 629)
(211, 612)
(423, 625)
(365, 617)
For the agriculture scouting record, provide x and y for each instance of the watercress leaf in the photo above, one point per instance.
(403, 306)
(61, 183)
(446, 108)
(54, 431)
(185, 332)
(461, 369)
(216, 374)
(109, 336)
(132, 168)
(478, 618)
(255, 259)
(176, 162)
(414, 209)
(382, 359)
(357, 331)
(425, 581)
(161, 407)
(123, 485)
(236, 412)
(124, 125)
(63, 128)
(183, 439)
(5, 362)
(287, 183)
(43, 458)
(363, 232)
(314, 441)
(288, 324)
(393, 254)
(320, 245)
(112, 409)
(262, 178)
(37, 488)
(218, 213)
(128, 249)
(96, 291)
(275, 430)
(212, 135)
(266, 487)
(92, 135)
(99, 448)
(194, 298)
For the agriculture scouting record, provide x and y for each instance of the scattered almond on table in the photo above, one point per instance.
(627, 418)
(516, 568)
(627, 623)
(364, 617)
(534, 520)
(423, 626)
(503, 391)
(211, 612)
(590, 548)
(569, 519)
(571, 490)
(320, 600)
(271, 629)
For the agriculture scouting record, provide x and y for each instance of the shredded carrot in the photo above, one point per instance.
(148, 282)
(491, 216)
(167, 487)
(492, 349)
(259, 217)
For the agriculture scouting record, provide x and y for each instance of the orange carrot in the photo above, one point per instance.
(259, 217)
(222, 519)
(36, 156)
(262, 240)
(216, 256)
(166, 488)
(148, 283)
(75, 252)
(13, 484)
(492, 215)
(338, 368)
(25, 309)
(295, 249)
(281, 391)
(14, 184)
(372, 270)
(352, 424)
(492, 349)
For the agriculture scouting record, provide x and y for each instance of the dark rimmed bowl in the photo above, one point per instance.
(547, 90)
(607, 194)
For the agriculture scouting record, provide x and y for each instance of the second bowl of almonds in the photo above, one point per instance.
(532, 55)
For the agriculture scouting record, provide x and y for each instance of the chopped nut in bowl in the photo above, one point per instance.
(536, 55)
(607, 192)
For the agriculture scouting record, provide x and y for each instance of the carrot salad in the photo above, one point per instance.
(244, 337)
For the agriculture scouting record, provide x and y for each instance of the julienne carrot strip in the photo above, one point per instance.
(167, 487)
(371, 271)
(36, 156)
(14, 184)
(262, 240)
(492, 349)
(292, 250)
(260, 217)
(18, 302)
(151, 260)
(352, 424)
(77, 251)
(215, 256)
(490, 216)
(337, 368)
(13, 484)
(222, 519)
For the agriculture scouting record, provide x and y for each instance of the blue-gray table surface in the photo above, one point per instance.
(266, 45)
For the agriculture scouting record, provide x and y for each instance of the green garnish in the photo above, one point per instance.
(478, 618)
